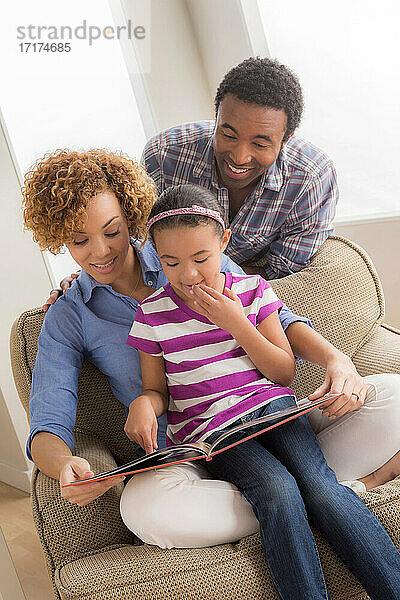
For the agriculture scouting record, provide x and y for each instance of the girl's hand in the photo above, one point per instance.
(76, 468)
(141, 425)
(225, 311)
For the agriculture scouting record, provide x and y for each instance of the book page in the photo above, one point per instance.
(240, 433)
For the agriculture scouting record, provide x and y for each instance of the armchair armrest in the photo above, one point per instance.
(381, 353)
(67, 531)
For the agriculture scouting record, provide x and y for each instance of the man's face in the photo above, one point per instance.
(247, 141)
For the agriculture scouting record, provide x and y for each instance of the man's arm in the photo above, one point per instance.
(341, 375)
(54, 294)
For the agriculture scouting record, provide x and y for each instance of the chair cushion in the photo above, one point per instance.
(339, 291)
(231, 571)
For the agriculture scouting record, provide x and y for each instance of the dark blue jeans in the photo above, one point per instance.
(284, 476)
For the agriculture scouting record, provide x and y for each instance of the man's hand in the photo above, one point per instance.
(76, 468)
(341, 377)
(225, 311)
(56, 293)
(141, 425)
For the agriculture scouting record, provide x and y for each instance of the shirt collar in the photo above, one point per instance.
(149, 262)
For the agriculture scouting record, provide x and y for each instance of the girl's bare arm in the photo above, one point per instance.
(267, 346)
(141, 425)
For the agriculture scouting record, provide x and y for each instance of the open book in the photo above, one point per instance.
(196, 450)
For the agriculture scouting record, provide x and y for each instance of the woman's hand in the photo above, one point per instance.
(141, 425)
(225, 311)
(56, 293)
(76, 468)
(341, 377)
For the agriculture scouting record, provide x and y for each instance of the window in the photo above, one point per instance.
(346, 56)
(77, 99)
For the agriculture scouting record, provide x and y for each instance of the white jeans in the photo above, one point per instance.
(183, 507)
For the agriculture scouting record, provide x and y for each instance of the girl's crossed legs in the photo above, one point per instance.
(184, 507)
(285, 477)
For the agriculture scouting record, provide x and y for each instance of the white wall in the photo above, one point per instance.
(25, 283)
(193, 44)
(346, 54)
(227, 32)
(174, 76)
(381, 239)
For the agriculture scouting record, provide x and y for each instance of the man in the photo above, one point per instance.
(279, 191)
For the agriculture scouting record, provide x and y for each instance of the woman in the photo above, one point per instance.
(97, 203)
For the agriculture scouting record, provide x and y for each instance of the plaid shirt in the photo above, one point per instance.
(282, 222)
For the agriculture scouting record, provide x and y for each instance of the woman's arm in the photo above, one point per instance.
(50, 454)
(141, 425)
(53, 458)
(53, 402)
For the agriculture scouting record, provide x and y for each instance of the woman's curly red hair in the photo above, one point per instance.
(58, 188)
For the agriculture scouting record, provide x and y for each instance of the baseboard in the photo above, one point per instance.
(16, 477)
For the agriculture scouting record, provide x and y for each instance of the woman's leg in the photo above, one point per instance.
(365, 441)
(337, 512)
(187, 490)
(287, 540)
(183, 507)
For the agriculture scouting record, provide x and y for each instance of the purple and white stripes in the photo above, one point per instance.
(211, 380)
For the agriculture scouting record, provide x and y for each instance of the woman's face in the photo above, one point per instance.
(102, 247)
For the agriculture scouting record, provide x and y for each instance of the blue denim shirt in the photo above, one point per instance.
(92, 321)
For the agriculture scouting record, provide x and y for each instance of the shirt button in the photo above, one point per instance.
(150, 282)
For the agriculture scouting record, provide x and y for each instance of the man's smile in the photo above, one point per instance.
(237, 172)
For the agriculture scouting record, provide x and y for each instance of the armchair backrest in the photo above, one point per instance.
(339, 292)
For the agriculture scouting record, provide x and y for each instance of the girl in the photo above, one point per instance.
(218, 338)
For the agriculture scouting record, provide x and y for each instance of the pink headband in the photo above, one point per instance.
(190, 210)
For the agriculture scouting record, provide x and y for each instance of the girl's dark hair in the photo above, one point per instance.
(185, 196)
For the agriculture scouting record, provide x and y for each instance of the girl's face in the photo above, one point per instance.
(103, 245)
(190, 256)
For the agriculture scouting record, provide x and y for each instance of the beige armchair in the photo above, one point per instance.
(89, 552)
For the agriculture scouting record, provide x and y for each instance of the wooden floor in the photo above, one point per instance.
(23, 544)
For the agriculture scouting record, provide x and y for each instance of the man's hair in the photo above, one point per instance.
(59, 187)
(185, 196)
(266, 82)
